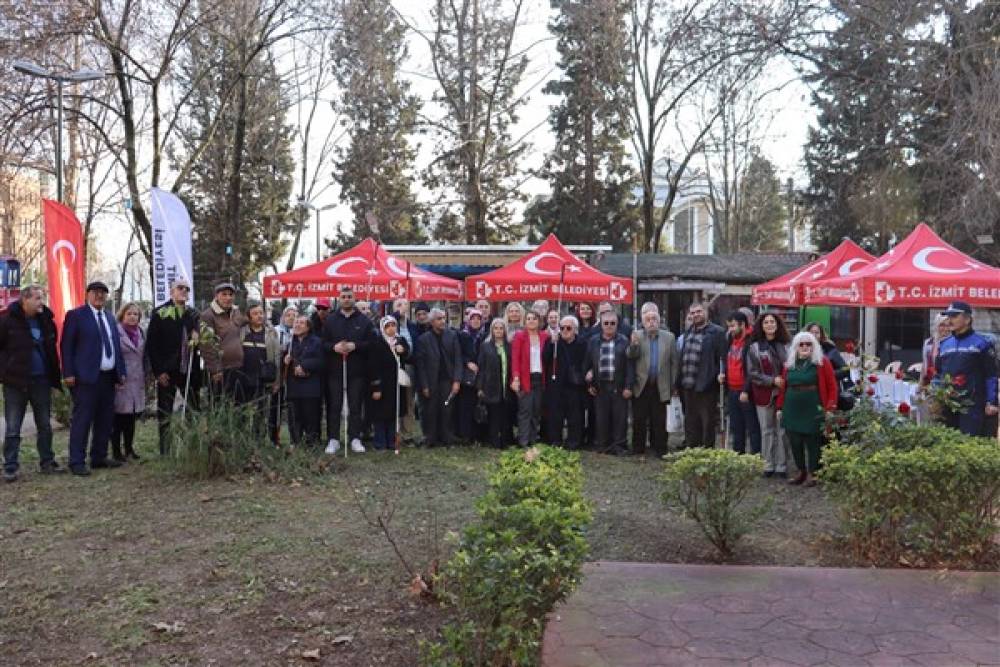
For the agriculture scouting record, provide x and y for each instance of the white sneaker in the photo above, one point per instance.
(357, 447)
(333, 446)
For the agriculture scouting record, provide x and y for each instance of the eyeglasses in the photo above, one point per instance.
(183, 288)
(609, 324)
(566, 327)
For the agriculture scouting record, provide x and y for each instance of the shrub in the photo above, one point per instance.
(522, 557)
(221, 440)
(710, 487)
(922, 495)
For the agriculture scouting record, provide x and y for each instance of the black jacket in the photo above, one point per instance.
(356, 329)
(17, 347)
(383, 376)
(568, 363)
(495, 388)
(308, 353)
(164, 337)
(713, 354)
(428, 360)
(624, 368)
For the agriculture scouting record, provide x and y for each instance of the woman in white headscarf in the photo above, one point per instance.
(386, 355)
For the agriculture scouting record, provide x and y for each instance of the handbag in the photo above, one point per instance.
(845, 401)
(404, 378)
(675, 417)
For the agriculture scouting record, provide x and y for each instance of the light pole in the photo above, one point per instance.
(79, 76)
(312, 207)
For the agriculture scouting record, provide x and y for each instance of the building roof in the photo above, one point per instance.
(741, 268)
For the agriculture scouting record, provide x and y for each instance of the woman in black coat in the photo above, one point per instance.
(493, 384)
(386, 355)
(303, 377)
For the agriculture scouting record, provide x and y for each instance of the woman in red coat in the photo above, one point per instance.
(528, 378)
(809, 391)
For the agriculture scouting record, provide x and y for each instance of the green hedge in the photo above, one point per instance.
(710, 486)
(522, 557)
(924, 495)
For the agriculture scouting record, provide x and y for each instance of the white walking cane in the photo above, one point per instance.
(398, 392)
(187, 382)
(345, 410)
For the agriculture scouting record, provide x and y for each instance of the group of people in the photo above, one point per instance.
(530, 375)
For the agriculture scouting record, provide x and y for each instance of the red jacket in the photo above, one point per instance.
(520, 352)
(828, 391)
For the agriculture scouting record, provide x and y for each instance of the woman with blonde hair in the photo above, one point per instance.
(514, 318)
(130, 397)
(492, 384)
(808, 390)
(940, 329)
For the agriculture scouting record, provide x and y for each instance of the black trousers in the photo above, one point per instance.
(123, 433)
(465, 425)
(499, 431)
(565, 408)
(303, 420)
(355, 403)
(649, 418)
(611, 410)
(436, 419)
(701, 417)
(165, 397)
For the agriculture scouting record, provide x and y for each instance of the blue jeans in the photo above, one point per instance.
(743, 422)
(384, 435)
(39, 395)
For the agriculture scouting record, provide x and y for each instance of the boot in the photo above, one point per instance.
(116, 451)
(130, 452)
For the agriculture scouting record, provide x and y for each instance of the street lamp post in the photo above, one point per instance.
(79, 76)
(318, 209)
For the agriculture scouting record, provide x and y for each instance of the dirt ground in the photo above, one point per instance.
(137, 566)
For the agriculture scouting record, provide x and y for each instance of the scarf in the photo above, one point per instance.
(390, 340)
(133, 332)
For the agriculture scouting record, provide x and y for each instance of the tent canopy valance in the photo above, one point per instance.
(922, 271)
(789, 289)
(371, 271)
(550, 271)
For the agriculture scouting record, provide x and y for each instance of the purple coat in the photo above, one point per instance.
(131, 397)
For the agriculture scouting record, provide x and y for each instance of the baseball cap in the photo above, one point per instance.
(323, 302)
(957, 307)
(225, 286)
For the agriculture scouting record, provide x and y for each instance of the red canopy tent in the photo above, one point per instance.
(367, 268)
(550, 271)
(789, 289)
(922, 271)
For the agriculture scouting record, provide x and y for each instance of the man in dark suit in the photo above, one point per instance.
(610, 376)
(92, 368)
(439, 373)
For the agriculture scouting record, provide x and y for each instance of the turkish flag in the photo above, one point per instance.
(64, 258)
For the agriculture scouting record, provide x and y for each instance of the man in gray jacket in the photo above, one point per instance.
(654, 353)
(438, 364)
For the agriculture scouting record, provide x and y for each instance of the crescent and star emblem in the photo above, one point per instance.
(334, 268)
(531, 266)
(64, 244)
(921, 260)
(848, 266)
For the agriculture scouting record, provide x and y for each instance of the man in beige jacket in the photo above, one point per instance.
(221, 344)
(654, 352)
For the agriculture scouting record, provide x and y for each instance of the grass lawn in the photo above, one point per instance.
(138, 566)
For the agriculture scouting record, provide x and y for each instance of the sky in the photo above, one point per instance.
(789, 111)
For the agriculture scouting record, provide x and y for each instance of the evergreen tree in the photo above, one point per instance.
(240, 188)
(591, 180)
(761, 215)
(374, 169)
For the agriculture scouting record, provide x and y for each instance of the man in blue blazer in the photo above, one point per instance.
(92, 368)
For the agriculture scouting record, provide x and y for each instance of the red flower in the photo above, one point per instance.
(958, 381)
(899, 375)
(870, 391)
(849, 347)
(904, 408)
(873, 379)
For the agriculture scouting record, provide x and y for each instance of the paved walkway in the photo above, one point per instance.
(633, 614)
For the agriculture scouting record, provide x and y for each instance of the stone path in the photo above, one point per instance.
(646, 615)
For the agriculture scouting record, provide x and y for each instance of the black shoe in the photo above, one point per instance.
(120, 458)
(51, 468)
(10, 475)
(768, 473)
(782, 474)
(80, 471)
(132, 455)
(106, 463)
